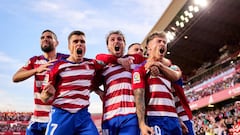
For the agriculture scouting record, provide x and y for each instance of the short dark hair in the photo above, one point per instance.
(54, 35)
(133, 45)
(161, 34)
(114, 32)
(75, 32)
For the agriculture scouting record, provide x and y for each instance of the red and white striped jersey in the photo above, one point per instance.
(181, 101)
(41, 110)
(158, 97)
(182, 114)
(119, 98)
(72, 82)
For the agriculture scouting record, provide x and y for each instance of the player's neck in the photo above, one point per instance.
(51, 55)
(75, 60)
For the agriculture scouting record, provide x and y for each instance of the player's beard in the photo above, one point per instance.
(47, 48)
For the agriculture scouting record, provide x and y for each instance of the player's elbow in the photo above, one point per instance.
(175, 78)
(15, 79)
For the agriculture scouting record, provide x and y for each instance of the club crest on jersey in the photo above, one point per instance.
(136, 77)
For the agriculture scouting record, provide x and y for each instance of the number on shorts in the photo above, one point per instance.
(54, 127)
(157, 130)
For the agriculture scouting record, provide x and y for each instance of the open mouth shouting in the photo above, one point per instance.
(117, 48)
(79, 51)
(162, 50)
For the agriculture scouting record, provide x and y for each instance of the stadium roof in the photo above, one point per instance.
(200, 34)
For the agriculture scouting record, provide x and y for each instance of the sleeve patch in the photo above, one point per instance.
(136, 77)
(100, 62)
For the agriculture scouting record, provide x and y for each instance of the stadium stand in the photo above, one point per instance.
(14, 123)
(205, 44)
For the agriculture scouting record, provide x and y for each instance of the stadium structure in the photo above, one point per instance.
(204, 41)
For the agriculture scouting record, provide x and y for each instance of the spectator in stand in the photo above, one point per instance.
(37, 66)
(237, 78)
(237, 108)
(216, 87)
(205, 121)
(235, 130)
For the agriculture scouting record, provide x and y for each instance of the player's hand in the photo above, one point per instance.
(47, 93)
(184, 128)
(154, 70)
(126, 62)
(151, 63)
(146, 130)
(44, 67)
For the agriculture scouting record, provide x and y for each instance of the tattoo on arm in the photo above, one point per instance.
(139, 95)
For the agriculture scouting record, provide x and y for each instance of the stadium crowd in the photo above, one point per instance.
(216, 121)
(220, 121)
(220, 80)
(14, 122)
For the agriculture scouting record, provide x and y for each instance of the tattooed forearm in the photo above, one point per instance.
(140, 104)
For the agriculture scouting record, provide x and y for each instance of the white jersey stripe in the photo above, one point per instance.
(118, 86)
(76, 72)
(184, 118)
(161, 113)
(111, 69)
(42, 107)
(74, 92)
(180, 109)
(161, 101)
(118, 99)
(119, 111)
(39, 119)
(124, 74)
(76, 101)
(158, 88)
(78, 83)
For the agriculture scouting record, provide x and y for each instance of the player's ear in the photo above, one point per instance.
(57, 42)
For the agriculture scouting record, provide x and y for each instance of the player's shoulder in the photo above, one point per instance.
(88, 59)
(37, 57)
(175, 67)
(140, 67)
(62, 56)
(137, 58)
